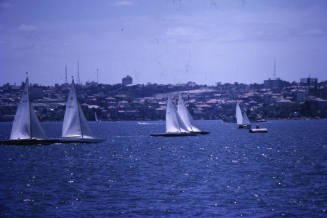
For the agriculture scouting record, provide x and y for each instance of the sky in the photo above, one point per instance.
(162, 41)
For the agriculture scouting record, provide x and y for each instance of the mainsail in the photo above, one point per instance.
(239, 117)
(174, 123)
(96, 119)
(75, 124)
(246, 120)
(26, 124)
(186, 116)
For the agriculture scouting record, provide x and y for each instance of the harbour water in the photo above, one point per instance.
(229, 172)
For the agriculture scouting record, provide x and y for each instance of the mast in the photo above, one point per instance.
(75, 123)
(238, 114)
(78, 78)
(29, 104)
(78, 109)
(97, 75)
(26, 124)
(274, 69)
(179, 122)
(185, 116)
(65, 73)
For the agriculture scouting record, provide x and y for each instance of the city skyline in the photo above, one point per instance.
(123, 83)
(168, 42)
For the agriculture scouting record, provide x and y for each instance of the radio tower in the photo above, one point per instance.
(78, 78)
(65, 73)
(274, 69)
(98, 75)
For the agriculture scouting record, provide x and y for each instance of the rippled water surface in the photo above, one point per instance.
(227, 173)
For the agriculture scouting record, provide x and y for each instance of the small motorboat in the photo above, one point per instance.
(257, 129)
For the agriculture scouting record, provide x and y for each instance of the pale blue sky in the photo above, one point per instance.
(163, 41)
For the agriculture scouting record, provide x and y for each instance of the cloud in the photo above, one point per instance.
(27, 28)
(236, 25)
(5, 5)
(124, 3)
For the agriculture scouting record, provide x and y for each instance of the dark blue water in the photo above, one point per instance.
(227, 173)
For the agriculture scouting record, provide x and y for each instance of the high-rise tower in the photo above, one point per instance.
(97, 75)
(66, 74)
(78, 77)
(274, 69)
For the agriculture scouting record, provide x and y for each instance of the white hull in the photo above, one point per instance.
(259, 130)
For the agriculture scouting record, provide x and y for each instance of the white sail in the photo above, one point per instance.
(246, 120)
(75, 124)
(182, 125)
(174, 123)
(186, 116)
(26, 125)
(239, 117)
(96, 117)
(37, 130)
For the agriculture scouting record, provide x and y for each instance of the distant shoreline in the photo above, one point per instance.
(274, 99)
(275, 119)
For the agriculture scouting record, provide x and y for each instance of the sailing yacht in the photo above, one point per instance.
(26, 128)
(241, 119)
(187, 118)
(75, 128)
(246, 120)
(174, 123)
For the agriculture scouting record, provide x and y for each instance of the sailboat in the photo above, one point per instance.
(187, 118)
(174, 123)
(26, 128)
(246, 120)
(75, 128)
(241, 119)
(97, 120)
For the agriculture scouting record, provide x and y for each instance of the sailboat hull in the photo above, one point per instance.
(51, 141)
(80, 140)
(29, 142)
(244, 126)
(174, 134)
(202, 133)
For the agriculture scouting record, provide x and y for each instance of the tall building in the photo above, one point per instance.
(127, 80)
(273, 83)
(309, 81)
(302, 95)
(66, 74)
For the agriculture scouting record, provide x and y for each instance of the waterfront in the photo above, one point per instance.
(228, 173)
(273, 99)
